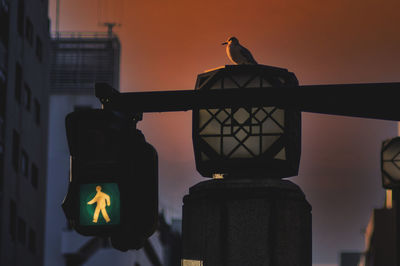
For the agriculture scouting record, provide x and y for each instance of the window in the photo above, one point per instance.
(2, 130)
(1, 168)
(1, 154)
(32, 240)
(4, 22)
(26, 97)
(15, 150)
(29, 31)
(34, 175)
(21, 231)
(18, 82)
(13, 219)
(2, 93)
(20, 17)
(37, 112)
(24, 163)
(39, 48)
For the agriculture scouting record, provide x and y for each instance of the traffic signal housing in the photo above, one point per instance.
(113, 186)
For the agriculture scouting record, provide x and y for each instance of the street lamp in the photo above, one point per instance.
(390, 168)
(247, 141)
(250, 216)
(390, 163)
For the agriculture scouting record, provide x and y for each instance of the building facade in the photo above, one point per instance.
(82, 58)
(24, 90)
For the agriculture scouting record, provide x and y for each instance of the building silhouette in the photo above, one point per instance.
(24, 86)
(82, 58)
(380, 236)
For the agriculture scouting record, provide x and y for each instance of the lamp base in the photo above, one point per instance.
(246, 222)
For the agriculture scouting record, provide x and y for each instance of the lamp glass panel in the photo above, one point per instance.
(281, 80)
(279, 116)
(267, 141)
(253, 144)
(229, 83)
(397, 163)
(281, 155)
(270, 126)
(266, 83)
(213, 128)
(241, 134)
(213, 111)
(241, 115)
(392, 170)
(254, 83)
(260, 115)
(241, 152)
(217, 85)
(204, 117)
(241, 80)
(396, 157)
(229, 143)
(226, 130)
(255, 129)
(214, 142)
(222, 115)
(392, 151)
(386, 180)
(269, 109)
(204, 157)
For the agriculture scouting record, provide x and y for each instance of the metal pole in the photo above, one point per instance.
(396, 199)
(372, 100)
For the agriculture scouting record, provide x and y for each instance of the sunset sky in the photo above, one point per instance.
(165, 44)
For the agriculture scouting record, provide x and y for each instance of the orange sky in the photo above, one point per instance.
(165, 44)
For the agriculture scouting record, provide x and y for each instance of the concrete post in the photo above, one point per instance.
(246, 222)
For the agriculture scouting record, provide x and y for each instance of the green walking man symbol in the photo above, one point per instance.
(101, 199)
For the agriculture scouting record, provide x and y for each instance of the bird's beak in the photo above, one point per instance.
(224, 43)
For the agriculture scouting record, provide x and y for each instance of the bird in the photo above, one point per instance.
(237, 53)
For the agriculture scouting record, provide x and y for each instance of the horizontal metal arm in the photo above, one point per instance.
(370, 100)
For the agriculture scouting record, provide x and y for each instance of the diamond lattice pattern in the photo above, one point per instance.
(241, 132)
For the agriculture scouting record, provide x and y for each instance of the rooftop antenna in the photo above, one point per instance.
(58, 18)
(110, 26)
(103, 15)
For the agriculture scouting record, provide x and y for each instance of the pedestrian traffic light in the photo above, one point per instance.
(113, 186)
(95, 206)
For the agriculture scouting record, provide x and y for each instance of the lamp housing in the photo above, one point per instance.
(247, 141)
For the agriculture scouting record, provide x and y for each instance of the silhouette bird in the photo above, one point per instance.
(237, 53)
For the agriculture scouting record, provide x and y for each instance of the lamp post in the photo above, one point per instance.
(390, 168)
(246, 127)
(250, 216)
